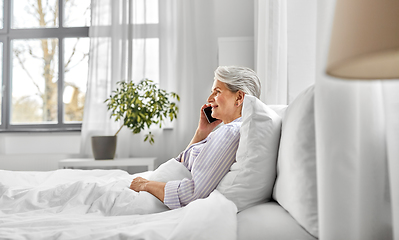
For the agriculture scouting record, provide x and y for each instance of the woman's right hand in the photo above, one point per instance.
(204, 127)
(203, 124)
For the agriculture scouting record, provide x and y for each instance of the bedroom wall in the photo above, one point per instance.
(41, 151)
(36, 151)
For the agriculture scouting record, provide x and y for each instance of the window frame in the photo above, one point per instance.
(6, 36)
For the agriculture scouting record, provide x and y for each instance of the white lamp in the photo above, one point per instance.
(365, 45)
(365, 40)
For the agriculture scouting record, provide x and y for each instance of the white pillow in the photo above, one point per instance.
(296, 187)
(169, 171)
(251, 177)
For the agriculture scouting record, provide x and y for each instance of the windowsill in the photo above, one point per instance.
(38, 130)
(50, 130)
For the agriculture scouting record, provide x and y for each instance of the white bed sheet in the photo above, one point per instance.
(98, 204)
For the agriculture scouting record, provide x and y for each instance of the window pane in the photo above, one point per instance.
(77, 13)
(75, 77)
(152, 58)
(28, 14)
(34, 81)
(149, 68)
(150, 15)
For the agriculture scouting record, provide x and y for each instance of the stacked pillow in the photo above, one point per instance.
(251, 178)
(295, 188)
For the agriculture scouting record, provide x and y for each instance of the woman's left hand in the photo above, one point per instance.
(139, 184)
(155, 188)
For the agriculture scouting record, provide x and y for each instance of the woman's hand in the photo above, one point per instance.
(204, 127)
(139, 184)
(155, 188)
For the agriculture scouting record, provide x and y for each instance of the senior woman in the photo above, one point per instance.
(210, 154)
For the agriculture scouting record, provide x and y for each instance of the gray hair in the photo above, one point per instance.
(239, 78)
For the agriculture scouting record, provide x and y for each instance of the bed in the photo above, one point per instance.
(98, 204)
(269, 193)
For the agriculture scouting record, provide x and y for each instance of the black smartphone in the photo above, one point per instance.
(208, 114)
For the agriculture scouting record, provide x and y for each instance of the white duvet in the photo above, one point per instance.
(98, 204)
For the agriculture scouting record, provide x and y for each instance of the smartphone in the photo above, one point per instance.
(208, 114)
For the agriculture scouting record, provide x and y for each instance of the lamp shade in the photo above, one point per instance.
(365, 40)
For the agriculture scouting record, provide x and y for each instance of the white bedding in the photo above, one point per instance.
(98, 204)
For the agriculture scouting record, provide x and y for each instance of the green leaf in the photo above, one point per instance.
(140, 105)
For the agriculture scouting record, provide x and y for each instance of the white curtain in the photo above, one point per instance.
(187, 61)
(188, 57)
(285, 39)
(271, 50)
(357, 158)
(114, 56)
(391, 90)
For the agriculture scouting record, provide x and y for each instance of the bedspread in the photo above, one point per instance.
(98, 204)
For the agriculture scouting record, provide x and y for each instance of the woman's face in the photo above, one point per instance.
(226, 105)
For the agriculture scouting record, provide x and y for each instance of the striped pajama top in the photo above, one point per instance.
(208, 161)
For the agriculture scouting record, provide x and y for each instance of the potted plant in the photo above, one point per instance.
(139, 106)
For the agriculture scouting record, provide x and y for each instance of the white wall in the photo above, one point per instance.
(235, 32)
(36, 151)
(41, 151)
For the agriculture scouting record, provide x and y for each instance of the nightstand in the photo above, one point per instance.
(117, 163)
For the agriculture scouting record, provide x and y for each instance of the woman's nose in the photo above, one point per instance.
(210, 98)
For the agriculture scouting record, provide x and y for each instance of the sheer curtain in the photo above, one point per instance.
(113, 57)
(271, 50)
(356, 123)
(187, 60)
(285, 39)
(188, 56)
(391, 89)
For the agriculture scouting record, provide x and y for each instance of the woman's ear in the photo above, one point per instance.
(240, 98)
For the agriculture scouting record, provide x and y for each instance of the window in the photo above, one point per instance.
(44, 48)
(145, 43)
